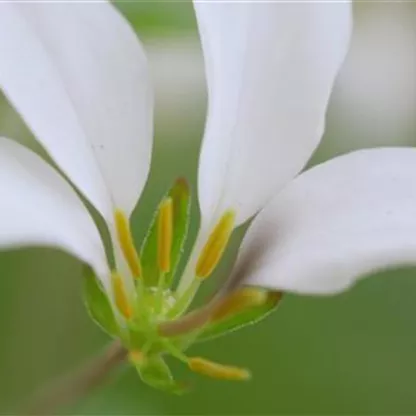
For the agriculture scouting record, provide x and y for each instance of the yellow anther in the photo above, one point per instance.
(120, 295)
(126, 242)
(218, 371)
(239, 300)
(165, 235)
(136, 356)
(215, 246)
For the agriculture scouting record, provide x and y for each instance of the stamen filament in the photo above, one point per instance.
(165, 235)
(218, 371)
(184, 300)
(214, 248)
(175, 352)
(126, 242)
(120, 295)
(159, 298)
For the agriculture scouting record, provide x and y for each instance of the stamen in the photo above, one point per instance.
(136, 356)
(120, 295)
(215, 246)
(238, 301)
(126, 242)
(242, 299)
(218, 371)
(165, 235)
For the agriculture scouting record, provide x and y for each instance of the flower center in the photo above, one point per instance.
(149, 311)
(159, 299)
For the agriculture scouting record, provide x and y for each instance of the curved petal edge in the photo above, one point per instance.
(39, 208)
(270, 68)
(78, 76)
(335, 223)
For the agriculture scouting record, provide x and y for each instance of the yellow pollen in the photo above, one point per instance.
(126, 242)
(165, 234)
(136, 356)
(215, 246)
(120, 295)
(218, 371)
(238, 301)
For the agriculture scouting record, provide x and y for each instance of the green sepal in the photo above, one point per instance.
(246, 317)
(140, 338)
(181, 198)
(155, 372)
(98, 304)
(181, 214)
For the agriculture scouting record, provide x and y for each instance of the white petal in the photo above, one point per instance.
(39, 208)
(270, 68)
(335, 223)
(78, 76)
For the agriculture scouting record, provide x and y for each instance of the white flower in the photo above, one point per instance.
(270, 73)
(77, 75)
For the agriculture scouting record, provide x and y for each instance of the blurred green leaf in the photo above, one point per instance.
(159, 17)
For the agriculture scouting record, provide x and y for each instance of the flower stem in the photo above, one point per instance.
(77, 385)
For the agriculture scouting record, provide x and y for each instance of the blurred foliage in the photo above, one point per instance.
(350, 354)
(159, 17)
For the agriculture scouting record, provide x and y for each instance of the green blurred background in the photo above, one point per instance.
(350, 354)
